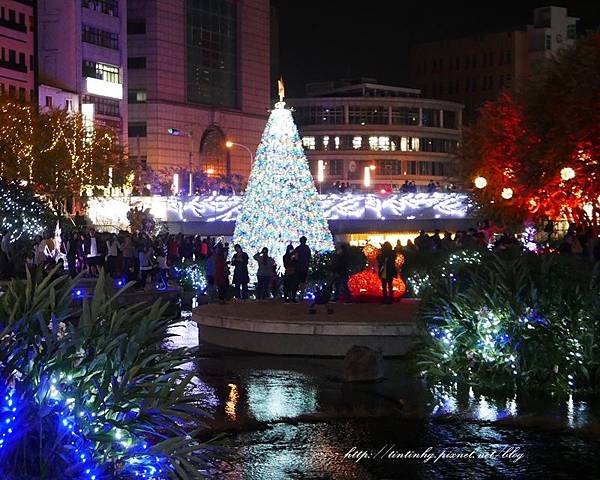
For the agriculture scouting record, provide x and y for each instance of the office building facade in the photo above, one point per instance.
(391, 131)
(17, 43)
(82, 59)
(199, 76)
(476, 68)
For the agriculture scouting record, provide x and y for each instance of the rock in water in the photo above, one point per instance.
(363, 364)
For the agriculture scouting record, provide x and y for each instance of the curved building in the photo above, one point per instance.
(387, 134)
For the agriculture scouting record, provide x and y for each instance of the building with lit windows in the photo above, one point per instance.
(17, 41)
(82, 59)
(202, 69)
(476, 68)
(352, 130)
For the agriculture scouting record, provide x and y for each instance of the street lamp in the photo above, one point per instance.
(480, 182)
(175, 132)
(229, 144)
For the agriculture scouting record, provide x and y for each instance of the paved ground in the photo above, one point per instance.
(405, 311)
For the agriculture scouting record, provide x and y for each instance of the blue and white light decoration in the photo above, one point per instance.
(281, 203)
(193, 274)
(337, 206)
(137, 460)
(8, 412)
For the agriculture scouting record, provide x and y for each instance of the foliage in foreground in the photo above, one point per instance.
(513, 321)
(93, 393)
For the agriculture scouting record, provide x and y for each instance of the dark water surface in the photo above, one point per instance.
(294, 418)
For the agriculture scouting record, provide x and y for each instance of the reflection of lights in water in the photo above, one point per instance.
(511, 406)
(206, 394)
(185, 334)
(446, 401)
(232, 401)
(485, 411)
(577, 413)
(570, 412)
(286, 396)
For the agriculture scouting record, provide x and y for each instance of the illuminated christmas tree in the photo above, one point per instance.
(281, 201)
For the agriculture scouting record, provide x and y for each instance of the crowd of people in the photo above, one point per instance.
(139, 257)
(406, 187)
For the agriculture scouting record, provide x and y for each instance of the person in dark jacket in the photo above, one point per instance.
(73, 247)
(341, 267)
(239, 261)
(387, 271)
(221, 273)
(290, 282)
(303, 255)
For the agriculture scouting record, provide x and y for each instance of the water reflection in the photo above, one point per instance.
(286, 395)
(274, 389)
(185, 333)
(232, 401)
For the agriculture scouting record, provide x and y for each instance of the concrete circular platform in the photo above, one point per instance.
(288, 329)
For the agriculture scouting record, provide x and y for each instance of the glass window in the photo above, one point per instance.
(431, 117)
(368, 115)
(137, 129)
(335, 166)
(100, 37)
(405, 116)
(309, 143)
(213, 152)
(136, 96)
(136, 27)
(412, 167)
(379, 143)
(389, 167)
(103, 106)
(211, 43)
(109, 7)
(571, 32)
(319, 115)
(103, 71)
(450, 119)
(136, 63)
(548, 42)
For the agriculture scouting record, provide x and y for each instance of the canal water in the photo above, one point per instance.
(294, 418)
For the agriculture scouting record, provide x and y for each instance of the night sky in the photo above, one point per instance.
(329, 39)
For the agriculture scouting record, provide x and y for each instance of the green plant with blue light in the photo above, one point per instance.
(92, 393)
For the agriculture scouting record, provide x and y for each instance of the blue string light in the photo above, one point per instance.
(137, 461)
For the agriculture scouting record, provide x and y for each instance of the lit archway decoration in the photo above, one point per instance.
(365, 286)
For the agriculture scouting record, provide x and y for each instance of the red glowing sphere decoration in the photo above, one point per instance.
(365, 286)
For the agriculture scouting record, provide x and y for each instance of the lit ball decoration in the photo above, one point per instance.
(281, 203)
(365, 286)
(480, 182)
(507, 193)
(567, 173)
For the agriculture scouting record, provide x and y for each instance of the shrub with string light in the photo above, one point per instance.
(530, 320)
(93, 399)
(22, 213)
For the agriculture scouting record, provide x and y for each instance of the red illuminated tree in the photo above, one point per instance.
(539, 150)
